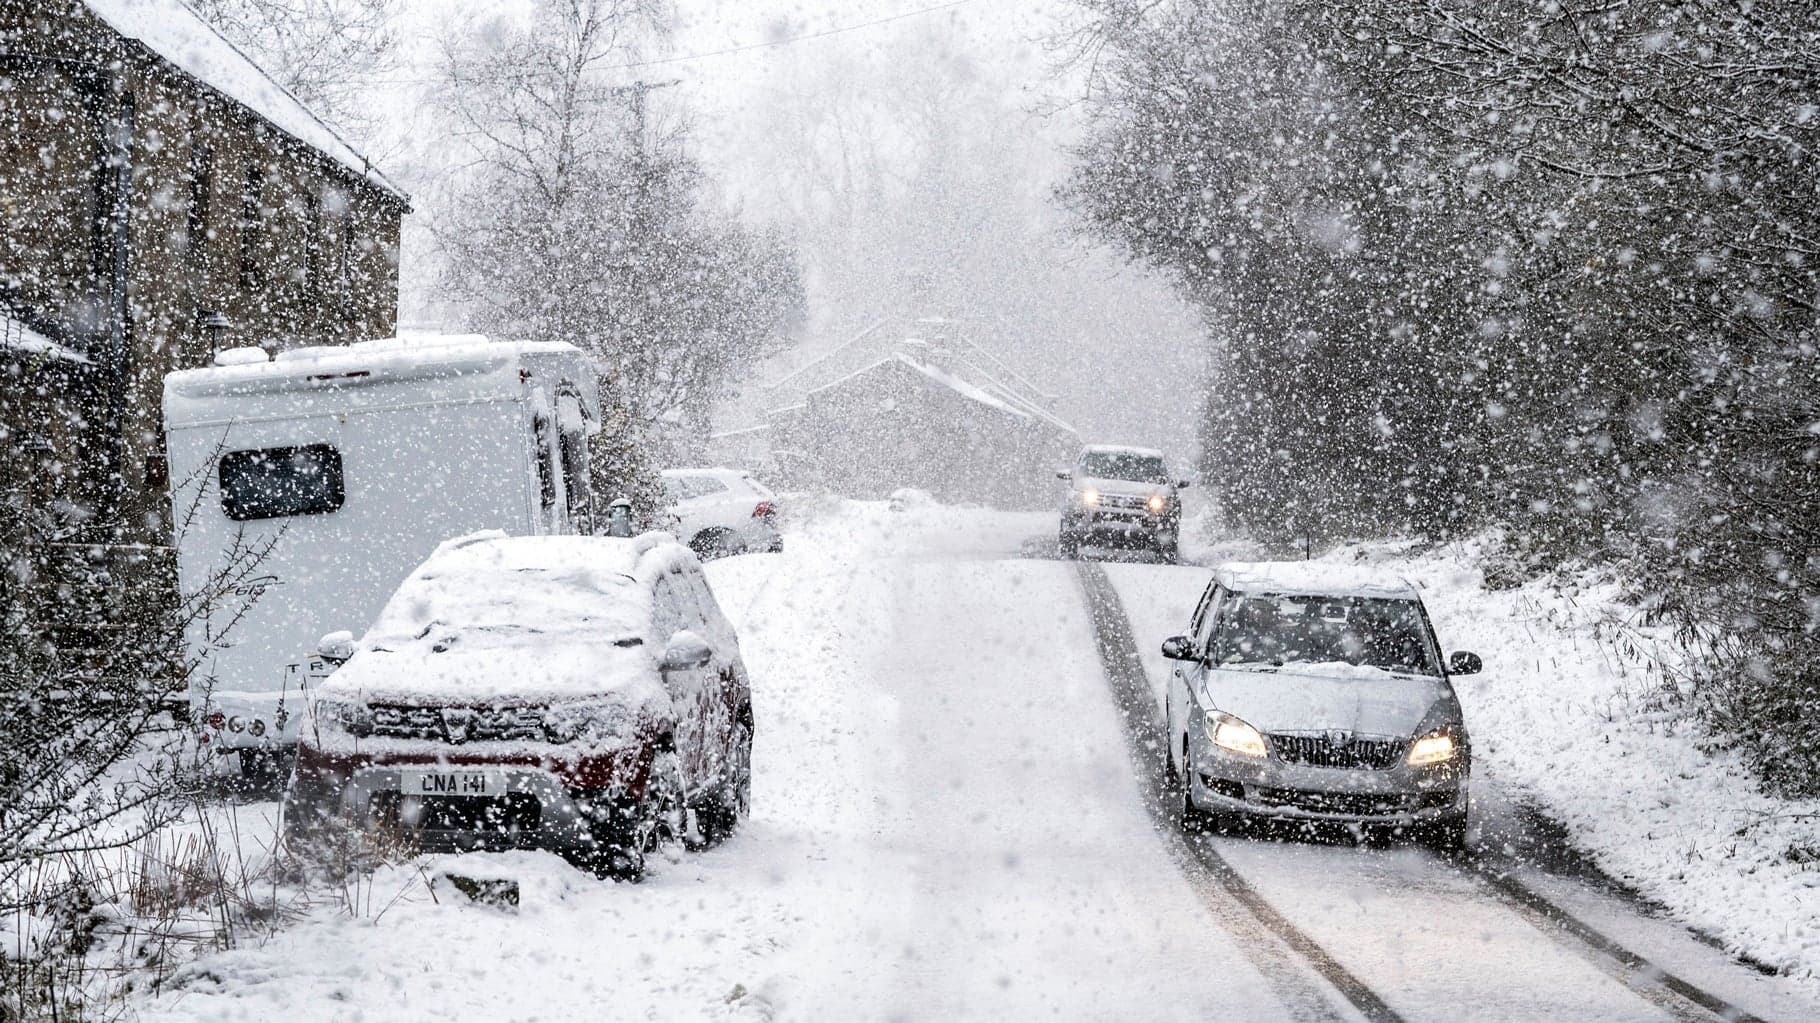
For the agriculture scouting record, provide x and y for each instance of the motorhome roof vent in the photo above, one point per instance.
(240, 356)
(308, 353)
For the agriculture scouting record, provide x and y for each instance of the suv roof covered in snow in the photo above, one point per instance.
(1312, 578)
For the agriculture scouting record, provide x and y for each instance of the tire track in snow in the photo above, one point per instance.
(1265, 935)
(1678, 997)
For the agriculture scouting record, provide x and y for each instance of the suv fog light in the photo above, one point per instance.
(257, 727)
(235, 724)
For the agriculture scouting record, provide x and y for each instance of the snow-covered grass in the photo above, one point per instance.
(1571, 714)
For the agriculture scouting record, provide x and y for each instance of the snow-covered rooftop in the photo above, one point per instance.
(177, 34)
(16, 336)
(1312, 578)
(489, 616)
(1123, 449)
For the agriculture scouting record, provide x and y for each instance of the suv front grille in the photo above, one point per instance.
(458, 724)
(1351, 752)
(1124, 501)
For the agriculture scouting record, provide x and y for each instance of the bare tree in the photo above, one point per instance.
(579, 216)
(327, 53)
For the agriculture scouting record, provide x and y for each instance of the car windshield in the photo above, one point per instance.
(1124, 465)
(1279, 630)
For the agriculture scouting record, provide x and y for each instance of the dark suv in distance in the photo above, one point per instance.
(1121, 497)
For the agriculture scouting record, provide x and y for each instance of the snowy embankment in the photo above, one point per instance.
(1568, 715)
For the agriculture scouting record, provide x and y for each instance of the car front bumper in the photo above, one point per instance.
(1118, 524)
(1398, 796)
(542, 806)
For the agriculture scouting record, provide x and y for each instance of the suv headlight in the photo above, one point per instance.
(594, 723)
(350, 716)
(1090, 497)
(1433, 748)
(1235, 736)
(1157, 503)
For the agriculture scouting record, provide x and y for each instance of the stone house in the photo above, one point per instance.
(161, 198)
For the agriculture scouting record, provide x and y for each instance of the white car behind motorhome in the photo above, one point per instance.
(306, 487)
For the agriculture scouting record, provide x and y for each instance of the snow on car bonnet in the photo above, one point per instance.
(490, 617)
(1308, 578)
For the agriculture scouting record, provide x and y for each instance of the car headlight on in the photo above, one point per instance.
(1433, 748)
(1090, 497)
(1235, 736)
(1157, 503)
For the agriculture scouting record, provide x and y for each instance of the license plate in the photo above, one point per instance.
(480, 784)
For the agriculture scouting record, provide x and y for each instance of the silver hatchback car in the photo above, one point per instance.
(1317, 693)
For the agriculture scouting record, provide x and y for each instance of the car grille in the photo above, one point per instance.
(1124, 501)
(458, 724)
(1350, 752)
(1358, 804)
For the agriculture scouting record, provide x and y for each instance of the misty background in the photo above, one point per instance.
(910, 152)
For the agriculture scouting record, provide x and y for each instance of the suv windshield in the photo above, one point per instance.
(1277, 630)
(1124, 465)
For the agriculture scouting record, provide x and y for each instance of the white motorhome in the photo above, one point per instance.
(306, 487)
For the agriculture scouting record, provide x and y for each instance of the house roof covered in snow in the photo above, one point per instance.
(173, 32)
(953, 363)
(15, 336)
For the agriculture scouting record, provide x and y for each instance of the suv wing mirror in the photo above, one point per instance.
(1183, 484)
(685, 651)
(336, 647)
(1464, 662)
(1063, 474)
(1178, 648)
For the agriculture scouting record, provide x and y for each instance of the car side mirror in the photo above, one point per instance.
(685, 652)
(1464, 662)
(1183, 484)
(1063, 474)
(336, 647)
(1178, 648)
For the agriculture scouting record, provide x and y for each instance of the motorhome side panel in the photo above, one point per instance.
(410, 476)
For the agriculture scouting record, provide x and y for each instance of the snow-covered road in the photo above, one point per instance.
(949, 824)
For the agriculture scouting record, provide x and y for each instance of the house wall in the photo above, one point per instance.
(222, 214)
(892, 427)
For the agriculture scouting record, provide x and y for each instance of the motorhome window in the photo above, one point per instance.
(270, 483)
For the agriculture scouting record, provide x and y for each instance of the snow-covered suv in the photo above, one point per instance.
(1122, 496)
(722, 511)
(580, 694)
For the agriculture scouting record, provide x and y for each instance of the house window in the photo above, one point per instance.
(313, 242)
(252, 216)
(346, 259)
(202, 183)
